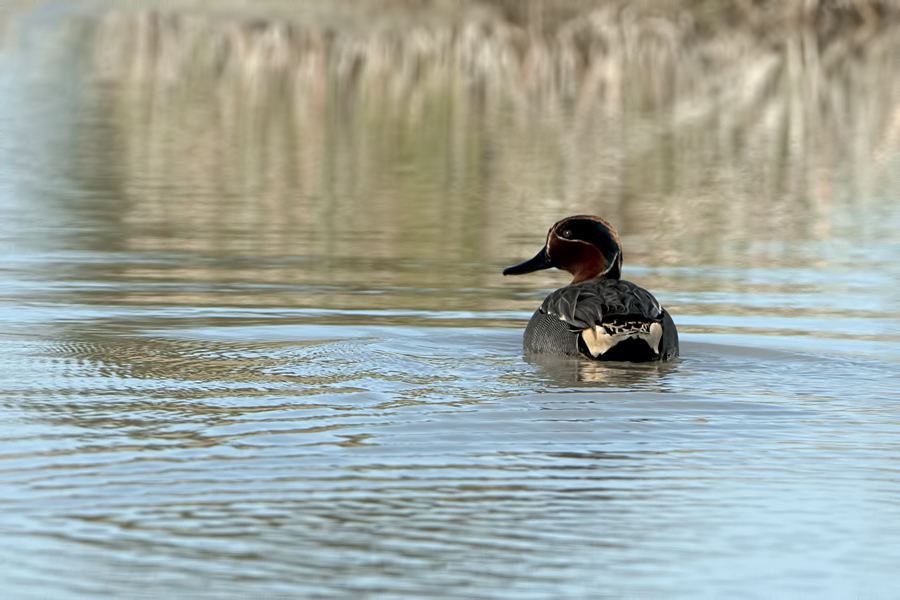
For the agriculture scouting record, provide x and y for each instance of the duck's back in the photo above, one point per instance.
(603, 319)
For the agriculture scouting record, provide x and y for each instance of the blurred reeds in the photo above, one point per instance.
(700, 127)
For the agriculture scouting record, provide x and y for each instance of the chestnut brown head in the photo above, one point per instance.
(584, 245)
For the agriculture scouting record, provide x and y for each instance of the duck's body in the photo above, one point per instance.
(604, 319)
(598, 315)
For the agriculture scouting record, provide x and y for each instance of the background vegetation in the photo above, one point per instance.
(456, 132)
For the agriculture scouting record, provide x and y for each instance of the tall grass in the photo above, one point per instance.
(699, 127)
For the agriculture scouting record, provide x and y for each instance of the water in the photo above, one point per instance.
(256, 341)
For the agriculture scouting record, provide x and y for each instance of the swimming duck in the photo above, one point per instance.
(598, 315)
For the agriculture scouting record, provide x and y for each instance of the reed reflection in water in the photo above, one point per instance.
(372, 138)
(256, 341)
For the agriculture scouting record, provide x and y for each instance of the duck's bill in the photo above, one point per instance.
(541, 261)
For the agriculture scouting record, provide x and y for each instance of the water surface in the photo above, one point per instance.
(256, 341)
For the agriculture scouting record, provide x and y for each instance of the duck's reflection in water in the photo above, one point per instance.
(568, 371)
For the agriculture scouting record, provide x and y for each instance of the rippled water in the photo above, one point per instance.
(227, 377)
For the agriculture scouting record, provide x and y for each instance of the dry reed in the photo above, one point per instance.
(496, 117)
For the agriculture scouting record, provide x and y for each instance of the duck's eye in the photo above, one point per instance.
(566, 233)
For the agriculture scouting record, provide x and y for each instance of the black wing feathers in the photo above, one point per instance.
(592, 302)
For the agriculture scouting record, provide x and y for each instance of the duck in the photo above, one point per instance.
(599, 315)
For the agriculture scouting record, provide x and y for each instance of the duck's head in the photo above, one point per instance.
(584, 245)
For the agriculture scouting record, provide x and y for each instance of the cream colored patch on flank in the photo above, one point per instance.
(599, 341)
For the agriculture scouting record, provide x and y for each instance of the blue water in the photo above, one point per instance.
(209, 392)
